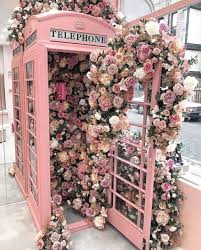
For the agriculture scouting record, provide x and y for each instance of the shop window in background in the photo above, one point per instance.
(174, 23)
(194, 34)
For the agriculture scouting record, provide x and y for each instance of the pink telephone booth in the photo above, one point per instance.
(67, 32)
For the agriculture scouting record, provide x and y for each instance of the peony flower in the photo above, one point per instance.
(112, 69)
(168, 97)
(140, 73)
(99, 222)
(152, 28)
(143, 52)
(165, 238)
(162, 218)
(114, 120)
(190, 83)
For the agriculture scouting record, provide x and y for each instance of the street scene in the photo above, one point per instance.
(190, 136)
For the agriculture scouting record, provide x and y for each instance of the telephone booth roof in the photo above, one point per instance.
(55, 30)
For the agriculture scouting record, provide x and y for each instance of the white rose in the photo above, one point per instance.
(172, 229)
(114, 120)
(106, 128)
(171, 147)
(99, 222)
(82, 102)
(165, 238)
(190, 83)
(97, 116)
(53, 143)
(140, 73)
(120, 15)
(152, 28)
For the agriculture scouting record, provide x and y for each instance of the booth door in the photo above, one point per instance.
(18, 111)
(132, 173)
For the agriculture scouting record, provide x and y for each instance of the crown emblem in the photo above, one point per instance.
(79, 24)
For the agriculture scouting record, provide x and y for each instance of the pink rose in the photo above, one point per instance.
(166, 187)
(175, 119)
(164, 27)
(168, 97)
(40, 244)
(170, 163)
(130, 81)
(93, 96)
(156, 51)
(105, 103)
(118, 101)
(148, 66)
(105, 183)
(156, 122)
(96, 11)
(130, 39)
(116, 88)
(57, 246)
(143, 52)
(57, 199)
(108, 60)
(68, 144)
(112, 69)
(90, 212)
(162, 125)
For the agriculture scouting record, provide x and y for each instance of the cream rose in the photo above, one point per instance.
(97, 116)
(165, 238)
(152, 28)
(99, 222)
(162, 218)
(190, 83)
(53, 143)
(114, 120)
(63, 156)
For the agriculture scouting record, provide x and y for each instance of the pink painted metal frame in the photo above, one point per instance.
(37, 52)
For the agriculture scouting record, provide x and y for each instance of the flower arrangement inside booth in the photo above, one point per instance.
(27, 8)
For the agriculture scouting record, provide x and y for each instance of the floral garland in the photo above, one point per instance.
(133, 57)
(27, 8)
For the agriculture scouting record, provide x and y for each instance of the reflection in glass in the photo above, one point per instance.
(34, 191)
(31, 107)
(32, 159)
(31, 124)
(30, 88)
(29, 70)
(16, 74)
(16, 87)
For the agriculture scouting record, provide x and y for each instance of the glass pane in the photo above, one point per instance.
(19, 152)
(18, 140)
(32, 142)
(16, 87)
(31, 124)
(30, 89)
(17, 114)
(19, 165)
(16, 101)
(18, 128)
(32, 159)
(33, 174)
(29, 70)
(34, 191)
(128, 211)
(16, 73)
(31, 107)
